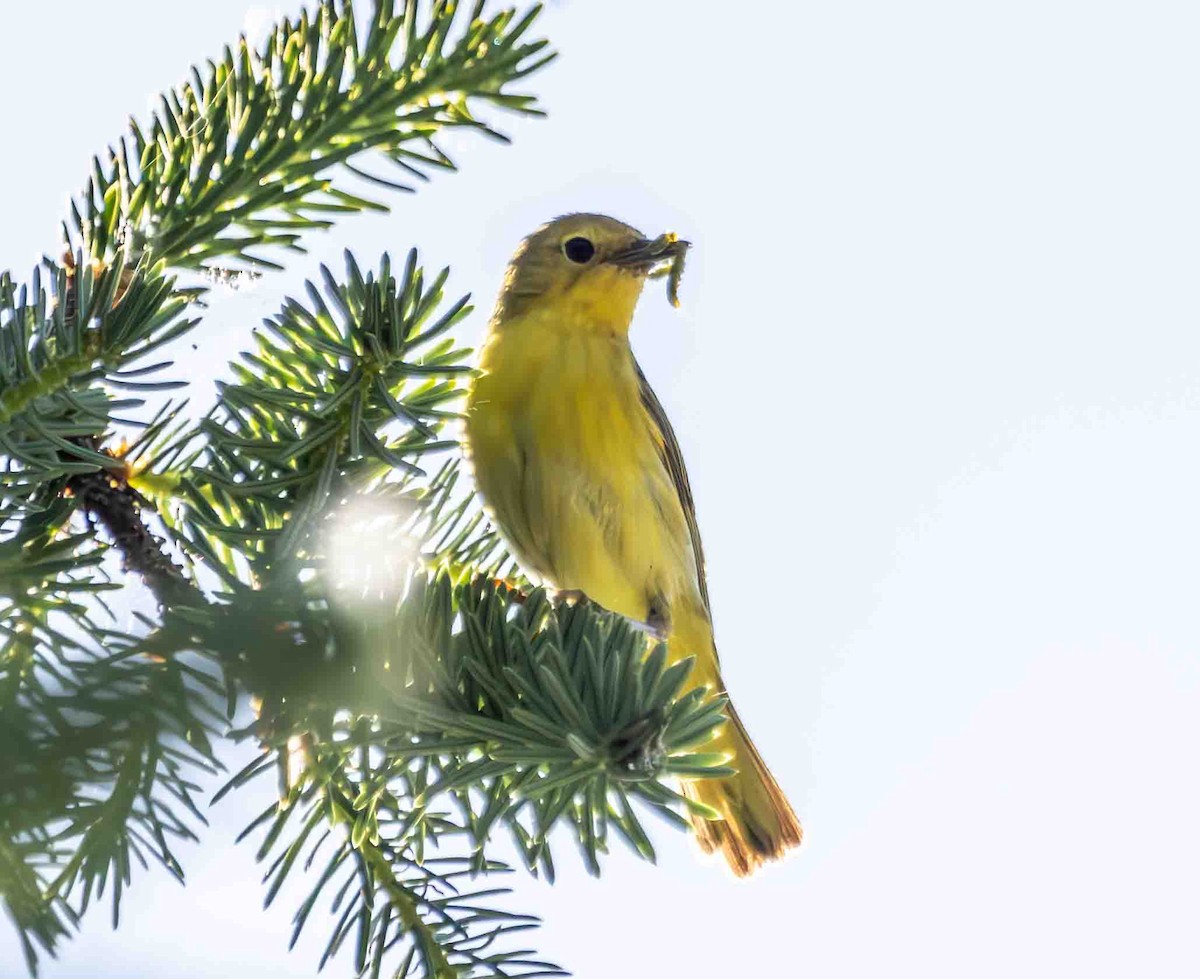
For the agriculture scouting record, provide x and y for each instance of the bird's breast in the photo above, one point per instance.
(567, 462)
(571, 399)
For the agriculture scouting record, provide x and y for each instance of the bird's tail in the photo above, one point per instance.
(756, 821)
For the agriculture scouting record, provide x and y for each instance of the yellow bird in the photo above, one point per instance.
(579, 467)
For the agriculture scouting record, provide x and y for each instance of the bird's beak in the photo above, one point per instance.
(646, 253)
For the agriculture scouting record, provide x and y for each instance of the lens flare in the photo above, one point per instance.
(369, 551)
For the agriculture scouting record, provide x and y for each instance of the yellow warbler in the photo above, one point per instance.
(580, 468)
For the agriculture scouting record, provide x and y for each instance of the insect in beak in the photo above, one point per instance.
(648, 255)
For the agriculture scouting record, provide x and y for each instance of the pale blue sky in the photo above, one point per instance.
(937, 379)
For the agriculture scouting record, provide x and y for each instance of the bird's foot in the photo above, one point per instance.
(638, 747)
(570, 596)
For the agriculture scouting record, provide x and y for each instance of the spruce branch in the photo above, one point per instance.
(410, 718)
(110, 500)
(429, 725)
(62, 351)
(239, 161)
(98, 746)
(348, 390)
(457, 708)
(234, 162)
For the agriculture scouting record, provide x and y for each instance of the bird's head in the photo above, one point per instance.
(586, 271)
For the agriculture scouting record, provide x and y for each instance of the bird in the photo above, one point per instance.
(580, 470)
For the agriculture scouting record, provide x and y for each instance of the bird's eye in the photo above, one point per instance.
(579, 250)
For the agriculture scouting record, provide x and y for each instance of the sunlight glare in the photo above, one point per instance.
(370, 552)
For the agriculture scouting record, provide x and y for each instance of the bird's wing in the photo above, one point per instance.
(672, 459)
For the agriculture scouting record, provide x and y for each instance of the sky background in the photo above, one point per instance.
(936, 376)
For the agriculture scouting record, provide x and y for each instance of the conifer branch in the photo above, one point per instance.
(343, 393)
(61, 351)
(238, 161)
(453, 704)
(111, 501)
(98, 746)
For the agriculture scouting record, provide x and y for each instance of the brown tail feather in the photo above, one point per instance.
(757, 822)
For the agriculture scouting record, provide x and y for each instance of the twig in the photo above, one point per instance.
(108, 498)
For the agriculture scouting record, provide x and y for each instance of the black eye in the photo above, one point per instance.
(579, 250)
